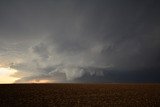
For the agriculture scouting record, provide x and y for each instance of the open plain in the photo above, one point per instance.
(79, 95)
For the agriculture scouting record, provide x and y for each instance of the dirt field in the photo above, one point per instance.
(79, 95)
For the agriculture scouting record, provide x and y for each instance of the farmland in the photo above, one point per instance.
(79, 95)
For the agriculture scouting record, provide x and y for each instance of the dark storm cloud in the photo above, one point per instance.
(83, 41)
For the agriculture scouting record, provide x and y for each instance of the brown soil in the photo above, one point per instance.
(79, 95)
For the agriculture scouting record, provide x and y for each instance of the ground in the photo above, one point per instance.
(79, 95)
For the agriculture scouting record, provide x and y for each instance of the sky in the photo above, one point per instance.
(79, 41)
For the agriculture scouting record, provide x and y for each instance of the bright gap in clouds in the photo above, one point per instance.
(5, 75)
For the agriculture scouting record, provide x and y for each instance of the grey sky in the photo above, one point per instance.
(81, 40)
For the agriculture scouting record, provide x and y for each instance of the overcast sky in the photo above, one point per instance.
(81, 40)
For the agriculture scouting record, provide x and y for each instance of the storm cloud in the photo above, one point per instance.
(81, 41)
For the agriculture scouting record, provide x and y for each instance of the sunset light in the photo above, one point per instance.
(5, 75)
(39, 81)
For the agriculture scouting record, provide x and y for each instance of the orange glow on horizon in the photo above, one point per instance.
(40, 81)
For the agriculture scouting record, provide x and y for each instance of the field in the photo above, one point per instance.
(79, 95)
